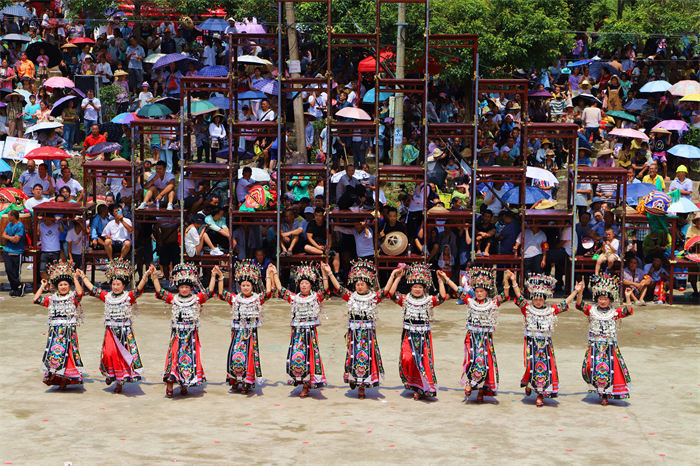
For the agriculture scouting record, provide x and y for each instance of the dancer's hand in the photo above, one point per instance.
(44, 285)
(578, 287)
(79, 274)
(217, 271)
(441, 275)
(271, 269)
(628, 292)
(326, 268)
(151, 270)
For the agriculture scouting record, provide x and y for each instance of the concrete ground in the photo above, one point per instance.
(657, 425)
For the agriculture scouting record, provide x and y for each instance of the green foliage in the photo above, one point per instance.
(108, 97)
(692, 137)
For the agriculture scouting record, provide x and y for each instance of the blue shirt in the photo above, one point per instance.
(13, 230)
(97, 224)
(509, 233)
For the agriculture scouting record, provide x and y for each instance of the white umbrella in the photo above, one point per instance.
(682, 206)
(253, 60)
(358, 175)
(541, 174)
(43, 125)
(258, 174)
(354, 113)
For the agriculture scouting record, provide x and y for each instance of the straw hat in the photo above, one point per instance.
(394, 243)
(545, 204)
(585, 85)
(436, 154)
(486, 150)
(660, 130)
(120, 73)
(69, 46)
(605, 149)
(438, 209)
(515, 106)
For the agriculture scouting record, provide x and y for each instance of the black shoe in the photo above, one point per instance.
(20, 291)
(13, 293)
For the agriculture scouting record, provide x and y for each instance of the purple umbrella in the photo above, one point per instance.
(60, 103)
(242, 154)
(104, 147)
(250, 27)
(181, 60)
(540, 93)
(267, 86)
(214, 71)
(78, 91)
(672, 125)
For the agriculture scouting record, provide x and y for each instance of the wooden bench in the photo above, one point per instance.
(693, 271)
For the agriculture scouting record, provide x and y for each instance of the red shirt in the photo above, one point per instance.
(92, 140)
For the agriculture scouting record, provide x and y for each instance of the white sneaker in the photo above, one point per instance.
(141, 206)
(660, 302)
(216, 252)
(170, 206)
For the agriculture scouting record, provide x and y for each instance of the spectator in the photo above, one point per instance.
(14, 112)
(654, 178)
(97, 225)
(217, 132)
(91, 110)
(591, 117)
(349, 191)
(76, 190)
(196, 238)
(117, 235)
(682, 183)
(299, 187)
(49, 242)
(135, 55)
(36, 199)
(485, 232)
(261, 261)
(94, 137)
(76, 240)
(364, 239)
(608, 251)
(69, 115)
(145, 96)
(391, 224)
(509, 233)
(534, 249)
(656, 244)
(12, 254)
(634, 277)
(558, 256)
(217, 229)
(25, 67)
(162, 184)
(659, 279)
(29, 178)
(290, 233)
(244, 184)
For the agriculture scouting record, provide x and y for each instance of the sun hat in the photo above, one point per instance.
(682, 169)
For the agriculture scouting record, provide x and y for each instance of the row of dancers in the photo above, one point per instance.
(603, 367)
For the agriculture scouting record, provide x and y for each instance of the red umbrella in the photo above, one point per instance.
(47, 153)
(6, 197)
(18, 193)
(82, 40)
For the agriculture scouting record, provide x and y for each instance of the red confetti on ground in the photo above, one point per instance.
(392, 407)
(247, 423)
(216, 441)
(304, 442)
(651, 433)
(624, 417)
(391, 425)
(469, 423)
(122, 439)
(45, 420)
(27, 370)
(560, 430)
(639, 333)
(569, 449)
(102, 409)
(43, 334)
(474, 448)
(342, 423)
(174, 460)
(392, 446)
(369, 431)
(276, 404)
(8, 462)
(660, 454)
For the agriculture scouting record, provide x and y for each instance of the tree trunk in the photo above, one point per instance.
(298, 103)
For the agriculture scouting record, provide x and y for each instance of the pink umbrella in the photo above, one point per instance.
(58, 82)
(354, 113)
(250, 27)
(685, 87)
(673, 125)
(629, 133)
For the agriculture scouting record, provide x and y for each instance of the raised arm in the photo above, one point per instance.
(40, 291)
(78, 286)
(393, 283)
(275, 277)
(86, 282)
(215, 275)
(142, 284)
(441, 286)
(442, 275)
(578, 288)
(509, 275)
(156, 282)
(324, 274)
(579, 298)
(628, 299)
(326, 268)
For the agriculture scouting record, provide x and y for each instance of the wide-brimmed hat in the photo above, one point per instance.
(438, 209)
(660, 130)
(545, 141)
(120, 73)
(394, 243)
(585, 85)
(486, 150)
(545, 204)
(436, 154)
(515, 106)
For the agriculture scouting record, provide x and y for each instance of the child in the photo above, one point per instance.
(603, 367)
(540, 366)
(416, 366)
(120, 360)
(75, 240)
(480, 368)
(43, 61)
(363, 363)
(304, 364)
(183, 363)
(608, 251)
(243, 362)
(62, 363)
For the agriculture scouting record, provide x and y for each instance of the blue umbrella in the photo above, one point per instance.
(251, 95)
(16, 10)
(58, 106)
(268, 86)
(104, 147)
(215, 71)
(182, 61)
(242, 154)
(369, 96)
(581, 62)
(221, 102)
(532, 195)
(16, 38)
(635, 105)
(656, 86)
(124, 118)
(4, 167)
(685, 151)
(214, 25)
(637, 190)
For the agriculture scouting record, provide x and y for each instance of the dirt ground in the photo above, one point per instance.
(657, 425)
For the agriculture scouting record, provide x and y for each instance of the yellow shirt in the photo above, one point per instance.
(658, 181)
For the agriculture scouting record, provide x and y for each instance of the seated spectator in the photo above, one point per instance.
(261, 261)
(290, 233)
(364, 239)
(50, 245)
(64, 191)
(97, 225)
(217, 228)
(95, 137)
(36, 199)
(659, 279)
(433, 245)
(485, 233)
(534, 245)
(76, 190)
(391, 224)
(162, 184)
(299, 187)
(245, 183)
(117, 235)
(656, 244)
(508, 234)
(654, 178)
(633, 276)
(608, 251)
(682, 183)
(196, 238)
(75, 239)
(29, 178)
(349, 191)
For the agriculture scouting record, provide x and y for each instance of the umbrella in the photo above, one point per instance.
(181, 60)
(47, 153)
(368, 98)
(672, 125)
(43, 125)
(541, 174)
(267, 86)
(255, 61)
(17, 193)
(532, 195)
(78, 91)
(124, 118)
(587, 97)
(685, 87)
(16, 10)
(250, 27)
(635, 105)
(50, 50)
(358, 175)
(610, 69)
(214, 25)
(242, 153)
(60, 103)
(682, 206)
(621, 115)
(199, 107)
(221, 102)
(215, 71)
(152, 58)
(258, 174)
(16, 38)
(656, 86)
(153, 110)
(689, 243)
(539, 93)
(24, 94)
(59, 82)
(637, 190)
(82, 40)
(629, 133)
(171, 102)
(4, 167)
(581, 62)
(685, 151)
(104, 148)
(354, 113)
(691, 98)
(251, 95)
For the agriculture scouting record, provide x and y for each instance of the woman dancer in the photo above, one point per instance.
(603, 367)
(120, 360)
(541, 373)
(243, 363)
(363, 363)
(183, 363)
(480, 368)
(416, 366)
(304, 364)
(62, 363)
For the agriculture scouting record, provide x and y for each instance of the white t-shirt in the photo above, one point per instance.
(145, 98)
(188, 186)
(77, 241)
(591, 116)
(160, 184)
(30, 203)
(191, 241)
(117, 231)
(72, 183)
(48, 235)
(533, 243)
(612, 247)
